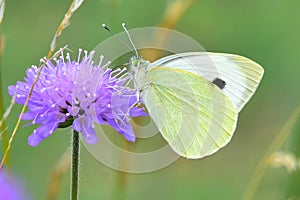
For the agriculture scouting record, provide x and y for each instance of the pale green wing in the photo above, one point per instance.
(194, 116)
(242, 75)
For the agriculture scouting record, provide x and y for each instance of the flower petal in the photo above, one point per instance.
(82, 125)
(34, 139)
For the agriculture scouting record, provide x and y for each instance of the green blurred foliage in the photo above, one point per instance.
(266, 31)
(294, 176)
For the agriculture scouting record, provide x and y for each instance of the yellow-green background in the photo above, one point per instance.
(266, 31)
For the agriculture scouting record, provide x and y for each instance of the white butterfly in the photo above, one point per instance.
(194, 98)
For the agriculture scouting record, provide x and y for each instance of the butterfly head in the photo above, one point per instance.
(138, 66)
(138, 63)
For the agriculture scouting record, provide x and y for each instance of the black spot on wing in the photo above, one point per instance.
(219, 82)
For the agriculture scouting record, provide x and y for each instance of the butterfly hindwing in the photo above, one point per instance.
(193, 115)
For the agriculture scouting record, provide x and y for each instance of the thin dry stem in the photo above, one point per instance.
(59, 52)
(64, 23)
(264, 163)
(57, 174)
(174, 12)
(8, 110)
(3, 127)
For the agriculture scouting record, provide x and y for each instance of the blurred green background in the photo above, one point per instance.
(266, 31)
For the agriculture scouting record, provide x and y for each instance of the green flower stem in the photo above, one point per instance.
(75, 166)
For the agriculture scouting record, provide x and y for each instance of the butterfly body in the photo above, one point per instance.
(139, 68)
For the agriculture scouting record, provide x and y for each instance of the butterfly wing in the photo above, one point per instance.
(193, 115)
(240, 74)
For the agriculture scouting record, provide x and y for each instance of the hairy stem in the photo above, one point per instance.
(75, 166)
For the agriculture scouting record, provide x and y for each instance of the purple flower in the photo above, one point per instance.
(10, 189)
(77, 93)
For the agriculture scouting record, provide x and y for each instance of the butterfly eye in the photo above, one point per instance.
(136, 63)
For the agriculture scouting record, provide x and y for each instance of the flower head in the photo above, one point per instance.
(78, 93)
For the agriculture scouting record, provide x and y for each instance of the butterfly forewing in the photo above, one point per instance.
(241, 75)
(193, 115)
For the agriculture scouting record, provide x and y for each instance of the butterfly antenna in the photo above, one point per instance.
(125, 29)
(106, 28)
